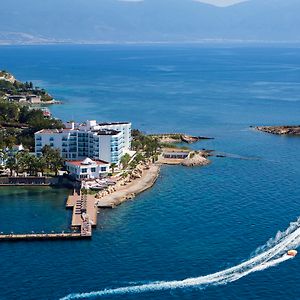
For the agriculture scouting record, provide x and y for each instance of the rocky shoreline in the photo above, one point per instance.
(171, 138)
(129, 187)
(142, 178)
(280, 130)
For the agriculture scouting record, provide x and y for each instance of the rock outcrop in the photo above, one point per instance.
(196, 159)
(7, 77)
(281, 130)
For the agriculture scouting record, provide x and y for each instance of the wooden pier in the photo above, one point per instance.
(42, 236)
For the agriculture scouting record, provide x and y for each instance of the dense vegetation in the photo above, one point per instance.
(150, 144)
(23, 161)
(145, 143)
(20, 88)
(18, 124)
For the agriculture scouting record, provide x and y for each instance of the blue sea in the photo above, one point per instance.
(194, 221)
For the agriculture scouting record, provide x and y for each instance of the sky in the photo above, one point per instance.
(221, 3)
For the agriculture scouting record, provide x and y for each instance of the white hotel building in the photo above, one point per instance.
(105, 141)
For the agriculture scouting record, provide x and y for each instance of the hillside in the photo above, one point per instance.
(94, 21)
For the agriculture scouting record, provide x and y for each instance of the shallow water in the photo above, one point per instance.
(194, 221)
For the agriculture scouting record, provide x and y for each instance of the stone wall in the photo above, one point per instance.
(29, 180)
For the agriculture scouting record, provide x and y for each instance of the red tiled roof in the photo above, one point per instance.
(79, 162)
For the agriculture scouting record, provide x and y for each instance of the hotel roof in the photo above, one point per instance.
(86, 162)
(55, 131)
(107, 132)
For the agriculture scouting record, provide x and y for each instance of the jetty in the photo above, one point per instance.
(42, 236)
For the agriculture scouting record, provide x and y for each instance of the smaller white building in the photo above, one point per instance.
(33, 99)
(87, 168)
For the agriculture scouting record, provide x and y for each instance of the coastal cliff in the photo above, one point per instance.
(280, 130)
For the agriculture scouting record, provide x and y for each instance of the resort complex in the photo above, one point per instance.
(104, 164)
(106, 142)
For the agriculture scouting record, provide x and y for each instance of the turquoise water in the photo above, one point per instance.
(194, 221)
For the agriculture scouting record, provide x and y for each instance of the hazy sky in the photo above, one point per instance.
(222, 3)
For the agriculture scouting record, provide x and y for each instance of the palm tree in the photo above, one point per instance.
(113, 166)
(11, 164)
(53, 159)
(40, 164)
(24, 160)
(125, 160)
(56, 163)
(3, 157)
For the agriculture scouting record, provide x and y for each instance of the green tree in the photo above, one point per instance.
(113, 166)
(53, 159)
(11, 164)
(3, 156)
(125, 160)
(40, 164)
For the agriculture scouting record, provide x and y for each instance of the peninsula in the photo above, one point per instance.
(104, 163)
(16, 91)
(280, 130)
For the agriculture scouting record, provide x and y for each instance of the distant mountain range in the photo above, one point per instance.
(137, 21)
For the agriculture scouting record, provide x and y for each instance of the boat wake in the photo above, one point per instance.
(271, 254)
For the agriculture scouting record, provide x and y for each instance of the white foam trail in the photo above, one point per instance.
(274, 253)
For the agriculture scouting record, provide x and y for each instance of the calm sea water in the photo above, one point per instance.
(194, 221)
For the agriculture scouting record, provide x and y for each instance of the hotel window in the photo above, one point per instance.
(93, 170)
(84, 171)
(103, 169)
(51, 139)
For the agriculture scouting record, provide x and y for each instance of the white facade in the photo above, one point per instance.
(125, 128)
(97, 141)
(87, 169)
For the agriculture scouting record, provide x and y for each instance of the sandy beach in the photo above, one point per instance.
(131, 189)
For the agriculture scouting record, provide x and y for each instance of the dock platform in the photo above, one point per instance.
(82, 205)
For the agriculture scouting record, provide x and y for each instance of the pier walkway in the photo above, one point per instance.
(42, 236)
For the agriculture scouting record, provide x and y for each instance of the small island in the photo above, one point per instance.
(280, 130)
